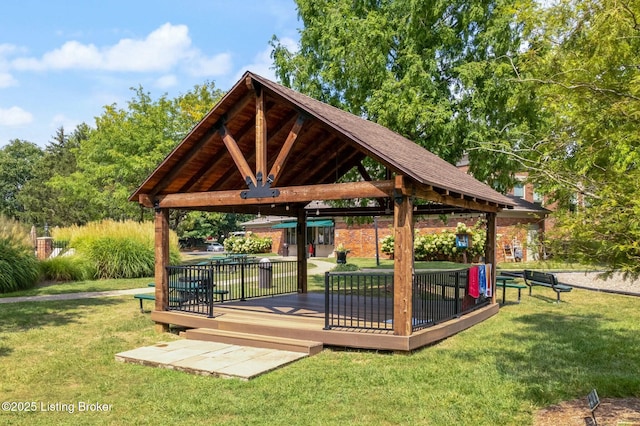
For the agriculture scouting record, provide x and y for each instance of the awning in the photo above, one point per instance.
(310, 224)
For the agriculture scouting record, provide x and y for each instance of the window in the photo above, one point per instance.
(290, 236)
(518, 190)
(538, 197)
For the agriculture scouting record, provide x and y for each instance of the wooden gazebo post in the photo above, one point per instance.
(162, 261)
(301, 237)
(403, 263)
(490, 251)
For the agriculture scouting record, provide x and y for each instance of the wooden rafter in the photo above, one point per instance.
(447, 199)
(178, 168)
(261, 135)
(283, 155)
(236, 154)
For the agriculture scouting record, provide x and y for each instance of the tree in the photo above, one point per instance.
(44, 202)
(434, 72)
(583, 65)
(18, 162)
(126, 146)
(198, 226)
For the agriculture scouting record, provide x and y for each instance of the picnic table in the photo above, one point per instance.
(505, 281)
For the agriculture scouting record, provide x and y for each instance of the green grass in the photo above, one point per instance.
(547, 265)
(80, 286)
(530, 355)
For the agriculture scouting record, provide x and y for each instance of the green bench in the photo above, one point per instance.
(508, 282)
(142, 297)
(179, 299)
(544, 279)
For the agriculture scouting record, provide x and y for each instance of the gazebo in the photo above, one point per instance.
(265, 148)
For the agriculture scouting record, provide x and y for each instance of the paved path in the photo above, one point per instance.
(321, 266)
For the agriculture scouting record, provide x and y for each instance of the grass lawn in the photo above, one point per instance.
(529, 356)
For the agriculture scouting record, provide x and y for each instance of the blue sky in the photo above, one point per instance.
(61, 62)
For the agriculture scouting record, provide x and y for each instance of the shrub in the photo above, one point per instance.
(19, 267)
(345, 267)
(249, 244)
(387, 245)
(442, 245)
(117, 249)
(67, 268)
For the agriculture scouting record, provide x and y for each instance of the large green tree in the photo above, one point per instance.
(126, 145)
(583, 63)
(45, 203)
(18, 161)
(435, 72)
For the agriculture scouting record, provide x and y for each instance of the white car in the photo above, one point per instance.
(215, 247)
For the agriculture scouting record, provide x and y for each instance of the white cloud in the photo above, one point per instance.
(7, 80)
(291, 45)
(201, 66)
(166, 81)
(163, 49)
(263, 64)
(61, 120)
(14, 116)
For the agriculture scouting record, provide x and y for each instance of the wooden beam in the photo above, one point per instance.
(363, 172)
(490, 251)
(261, 135)
(403, 265)
(301, 240)
(283, 155)
(162, 260)
(236, 154)
(291, 194)
(432, 195)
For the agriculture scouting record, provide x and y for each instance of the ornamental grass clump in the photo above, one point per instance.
(19, 267)
(67, 268)
(117, 249)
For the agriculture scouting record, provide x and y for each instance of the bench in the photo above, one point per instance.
(142, 297)
(508, 282)
(544, 279)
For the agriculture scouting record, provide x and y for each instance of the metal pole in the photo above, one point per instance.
(326, 301)
(242, 279)
(375, 227)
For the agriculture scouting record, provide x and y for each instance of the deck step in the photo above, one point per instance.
(254, 340)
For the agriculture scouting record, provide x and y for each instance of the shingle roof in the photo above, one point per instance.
(331, 142)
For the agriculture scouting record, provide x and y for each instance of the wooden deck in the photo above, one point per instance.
(301, 316)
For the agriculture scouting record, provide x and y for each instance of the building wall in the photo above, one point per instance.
(361, 242)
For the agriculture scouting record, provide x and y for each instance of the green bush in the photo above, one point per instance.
(67, 268)
(250, 244)
(345, 267)
(19, 267)
(442, 245)
(117, 249)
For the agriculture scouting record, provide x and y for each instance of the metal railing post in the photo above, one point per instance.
(326, 301)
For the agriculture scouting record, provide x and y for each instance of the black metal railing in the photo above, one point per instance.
(438, 296)
(364, 300)
(59, 247)
(195, 288)
(360, 300)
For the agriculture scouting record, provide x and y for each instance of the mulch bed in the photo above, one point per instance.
(612, 411)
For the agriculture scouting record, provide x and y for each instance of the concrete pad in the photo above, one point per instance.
(210, 358)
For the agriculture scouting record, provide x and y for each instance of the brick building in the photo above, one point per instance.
(519, 230)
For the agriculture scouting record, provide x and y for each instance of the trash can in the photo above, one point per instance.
(265, 271)
(285, 250)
